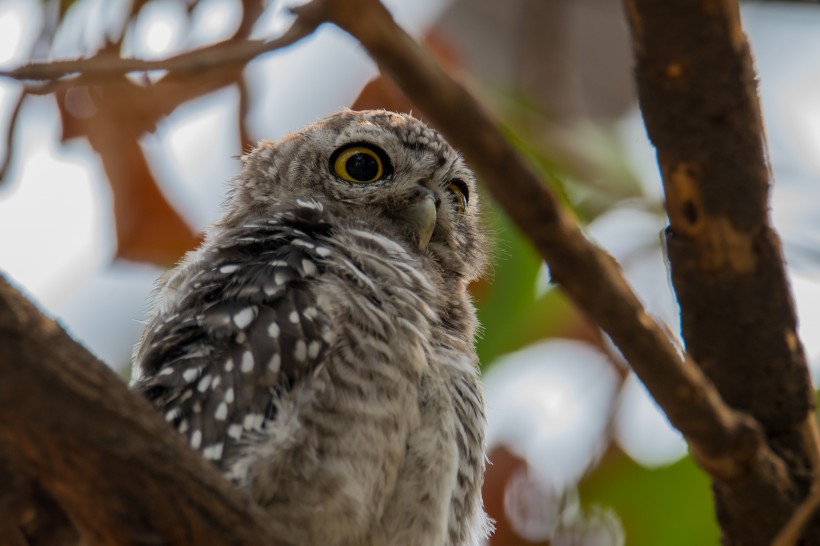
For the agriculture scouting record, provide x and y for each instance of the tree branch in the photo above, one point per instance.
(699, 98)
(10, 128)
(107, 65)
(698, 95)
(105, 456)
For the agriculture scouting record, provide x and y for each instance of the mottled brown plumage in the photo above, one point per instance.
(318, 346)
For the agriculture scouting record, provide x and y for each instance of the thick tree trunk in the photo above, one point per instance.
(698, 95)
(75, 442)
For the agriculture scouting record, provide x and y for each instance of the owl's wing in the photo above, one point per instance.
(245, 329)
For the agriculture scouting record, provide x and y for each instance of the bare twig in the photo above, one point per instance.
(198, 60)
(729, 444)
(15, 115)
(791, 532)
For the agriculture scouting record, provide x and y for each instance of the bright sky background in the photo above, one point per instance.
(56, 231)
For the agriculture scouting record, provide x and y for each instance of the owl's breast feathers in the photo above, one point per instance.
(299, 346)
(238, 325)
(255, 311)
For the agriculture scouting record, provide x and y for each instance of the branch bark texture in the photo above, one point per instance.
(699, 100)
(103, 455)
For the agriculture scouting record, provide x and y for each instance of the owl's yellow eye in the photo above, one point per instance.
(358, 163)
(458, 190)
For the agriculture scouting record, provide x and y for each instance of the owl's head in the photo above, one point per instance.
(386, 171)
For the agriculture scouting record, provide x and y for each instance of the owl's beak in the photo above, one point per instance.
(419, 219)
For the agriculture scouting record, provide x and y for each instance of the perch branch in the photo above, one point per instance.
(120, 473)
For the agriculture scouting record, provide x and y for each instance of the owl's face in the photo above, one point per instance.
(387, 171)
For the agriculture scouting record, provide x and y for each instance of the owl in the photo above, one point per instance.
(318, 346)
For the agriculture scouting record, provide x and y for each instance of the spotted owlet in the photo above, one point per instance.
(318, 346)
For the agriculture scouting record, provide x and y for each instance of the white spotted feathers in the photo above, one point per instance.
(247, 327)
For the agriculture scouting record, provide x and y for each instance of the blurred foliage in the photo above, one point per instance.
(113, 116)
(592, 181)
(511, 313)
(583, 162)
(64, 5)
(668, 506)
(549, 170)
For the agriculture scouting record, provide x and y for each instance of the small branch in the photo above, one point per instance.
(10, 147)
(197, 60)
(91, 443)
(791, 532)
